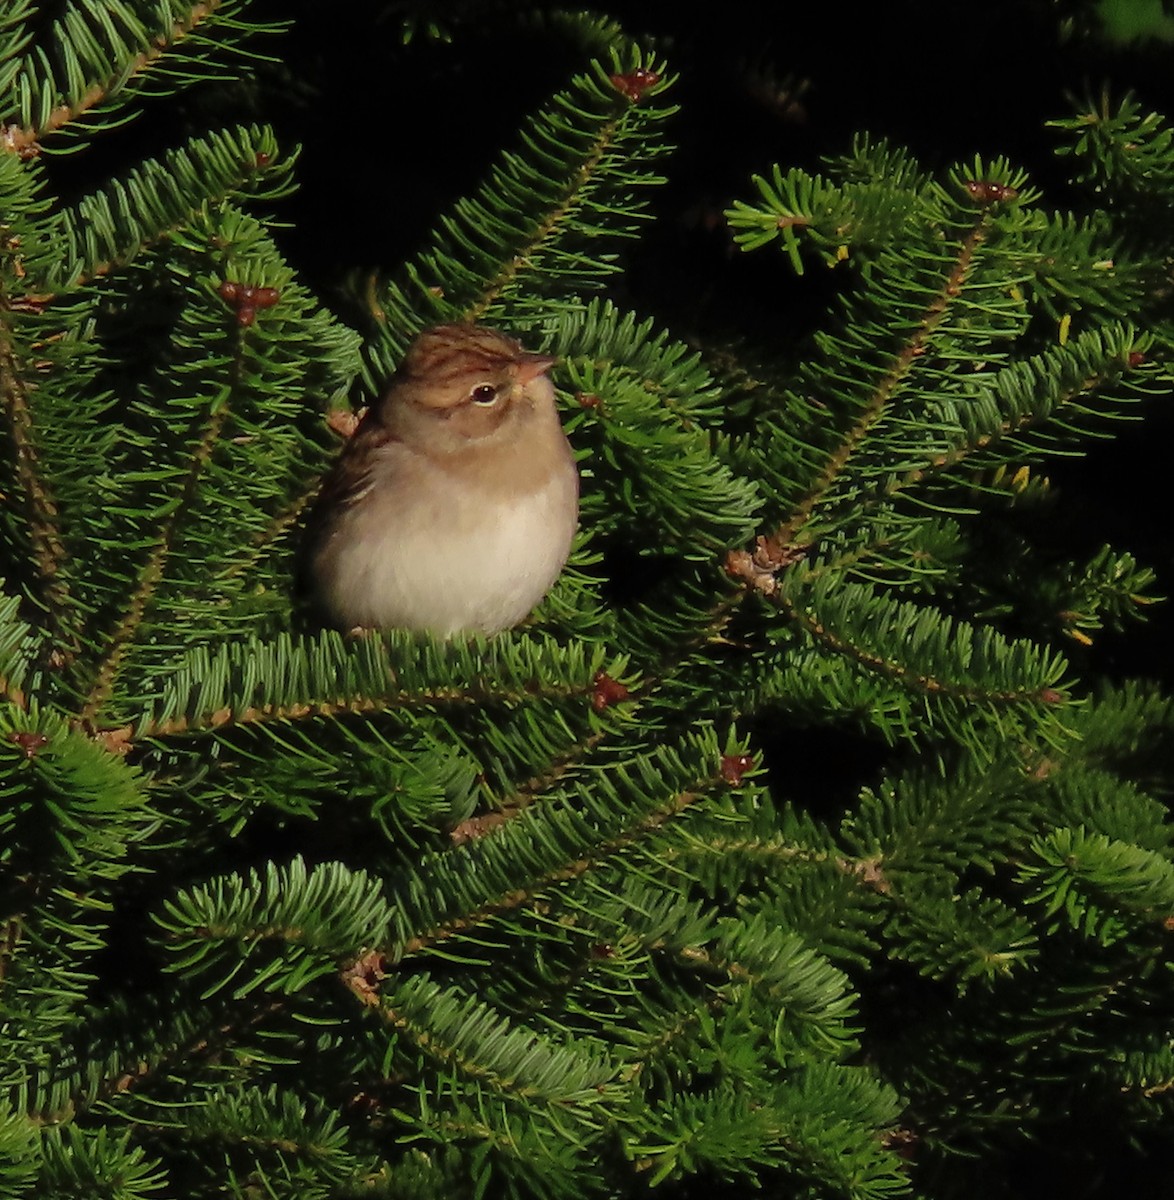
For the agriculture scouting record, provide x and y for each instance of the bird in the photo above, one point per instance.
(452, 507)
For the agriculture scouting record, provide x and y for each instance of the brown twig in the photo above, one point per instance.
(572, 870)
(43, 518)
(779, 549)
(150, 576)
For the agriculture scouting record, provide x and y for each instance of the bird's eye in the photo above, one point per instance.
(483, 393)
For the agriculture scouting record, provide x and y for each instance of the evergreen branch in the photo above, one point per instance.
(1103, 887)
(1060, 390)
(673, 640)
(668, 1035)
(922, 825)
(783, 538)
(20, 1152)
(72, 814)
(1147, 1072)
(304, 921)
(597, 816)
(405, 776)
(151, 573)
(603, 336)
(198, 437)
(1129, 729)
(1077, 270)
(542, 238)
(938, 656)
(15, 36)
(94, 1162)
(199, 434)
(717, 1131)
(467, 1034)
(42, 982)
(664, 650)
(42, 518)
(754, 957)
(894, 548)
(832, 903)
(23, 139)
(533, 789)
(644, 402)
(531, 1149)
(104, 52)
(288, 678)
(742, 852)
(986, 244)
(1119, 146)
(306, 1142)
(1099, 801)
(799, 678)
(756, 953)
(162, 196)
(1106, 590)
(881, 187)
(646, 464)
(100, 1064)
(962, 938)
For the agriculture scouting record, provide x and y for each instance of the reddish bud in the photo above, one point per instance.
(262, 160)
(635, 83)
(587, 399)
(1051, 696)
(1136, 358)
(246, 299)
(988, 191)
(903, 1142)
(29, 742)
(734, 766)
(607, 691)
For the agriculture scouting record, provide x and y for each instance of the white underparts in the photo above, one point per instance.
(465, 561)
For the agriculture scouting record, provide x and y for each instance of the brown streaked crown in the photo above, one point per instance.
(446, 353)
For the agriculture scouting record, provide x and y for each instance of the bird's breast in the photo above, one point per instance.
(447, 550)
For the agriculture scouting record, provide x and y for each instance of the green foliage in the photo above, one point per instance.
(1122, 22)
(167, 194)
(96, 56)
(573, 911)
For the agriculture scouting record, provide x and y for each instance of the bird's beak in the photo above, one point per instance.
(530, 366)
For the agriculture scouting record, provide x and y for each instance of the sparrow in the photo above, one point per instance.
(453, 505)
